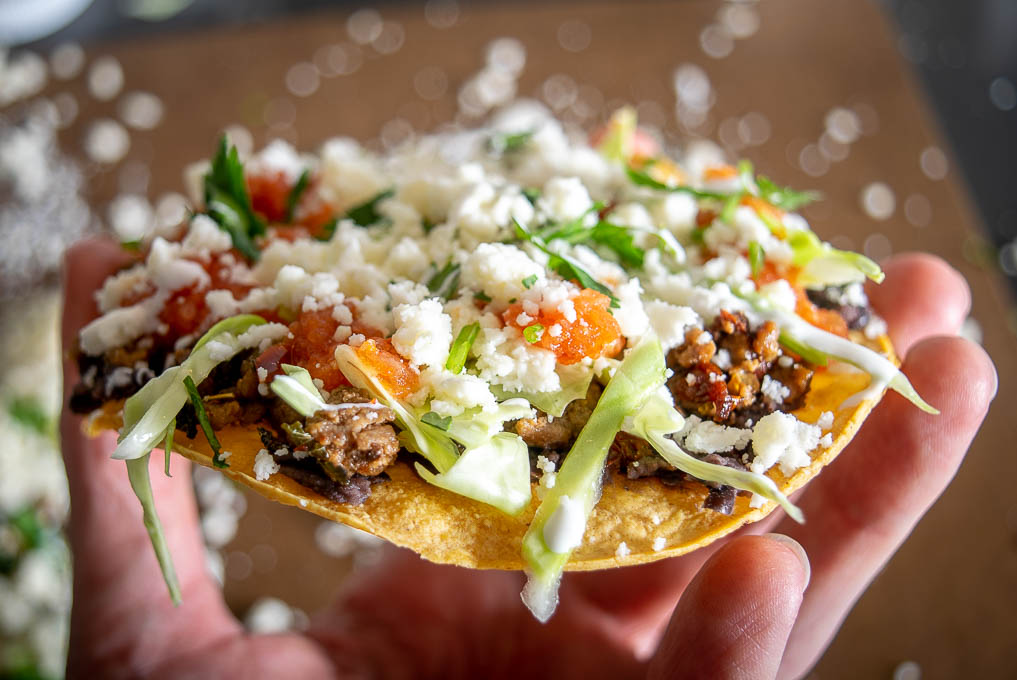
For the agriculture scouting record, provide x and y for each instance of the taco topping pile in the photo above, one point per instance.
(509, 310)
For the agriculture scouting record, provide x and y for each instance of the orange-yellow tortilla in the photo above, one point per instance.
(447, 528)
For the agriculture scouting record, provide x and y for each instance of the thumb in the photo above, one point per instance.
(122, 616)
(734, 619)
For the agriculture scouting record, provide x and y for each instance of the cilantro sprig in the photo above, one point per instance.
(445, 281)
(296, 193)
(509, 142)
(564, 265)
(367, 213)
(228, 203)
(642, 179)
(206, 426)
(784, 198)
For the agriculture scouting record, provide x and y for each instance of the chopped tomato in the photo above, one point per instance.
(389, 367)
(716, 173)
(313, 347)
(270, 194)
(185, 311)
(222, 276)
(595, 333)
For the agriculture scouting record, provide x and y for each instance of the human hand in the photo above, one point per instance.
(739, 608)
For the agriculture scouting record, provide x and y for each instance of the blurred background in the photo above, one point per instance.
(902, 112)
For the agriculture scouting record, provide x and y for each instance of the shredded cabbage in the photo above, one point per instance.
(575, 383)
(297, 389)
(641, 372)
(824, 265)
(658, 418)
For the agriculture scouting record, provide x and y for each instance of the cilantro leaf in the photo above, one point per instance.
(509, 142)
(642, 179)
(434, 420)
(529, 281)
(206, 426)
(228, 203)
(327, 230)
(296, 193)
(481, 296)
(785, 198)
(565, 266)
(366, 213)
(460, 349)
(445, 282)
(531, 195)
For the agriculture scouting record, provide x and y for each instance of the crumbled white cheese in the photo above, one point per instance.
(565, 527)
(205, 237)
(630, 314)
(825, 420)
(774, 389)
(564, 198)
(722, 360)
(622, 551)
(424, 333)
(264, 465)
(548, 476)
(659, 543)
(780, 438)
(710, 437)
(498, 270)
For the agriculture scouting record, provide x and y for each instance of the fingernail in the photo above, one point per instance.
(798, 550)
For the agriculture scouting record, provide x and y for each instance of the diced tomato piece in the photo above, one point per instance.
(184, 312)
(715, 173)
(313, 347)
(769, 213)
(595, 333)
(389, 367)
(270, 193)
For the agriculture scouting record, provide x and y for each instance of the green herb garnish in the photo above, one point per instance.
(434, 420)
(529, 281)
(461, 347)
(757, 256)
(531, 195)
(366, 213)
(511, 142)
(295, 194)
(783, 197)
(445, 281)
(228, 203)
(327, 230)
(565, 266)
(206, 426)
(533, 333)
(482, 296)
(644, 180)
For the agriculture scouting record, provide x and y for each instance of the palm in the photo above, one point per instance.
(741, 612)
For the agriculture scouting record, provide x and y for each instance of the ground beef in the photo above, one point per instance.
(734, 374)
(116, 374)
(353, 440)
(556, 434)
(832, 297)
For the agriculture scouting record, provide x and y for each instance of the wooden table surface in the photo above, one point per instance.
(945, 601)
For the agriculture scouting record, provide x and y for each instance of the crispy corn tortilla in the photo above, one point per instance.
(449, 529)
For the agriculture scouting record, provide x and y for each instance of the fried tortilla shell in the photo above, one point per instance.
(449, 529)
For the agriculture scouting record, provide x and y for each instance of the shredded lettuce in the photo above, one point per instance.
(658, 418)
(146, 424)
(800, 337)
(578, 482)
(824, 265)
(496, 472)
(167, 394)
(297, 389)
